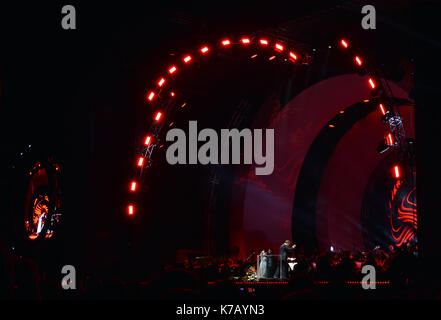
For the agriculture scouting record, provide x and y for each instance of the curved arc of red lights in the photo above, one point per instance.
(144, 159)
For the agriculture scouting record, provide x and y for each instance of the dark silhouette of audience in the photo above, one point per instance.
(326, 275)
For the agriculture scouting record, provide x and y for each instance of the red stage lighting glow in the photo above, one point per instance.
(147, 141)
(226, 42)
(172, 70)
(344, 43)
(358, 60)
(271, 58)
(253, 56)
(293, 56)
(187, 59)
(140, 161)
(204, 49)
(279, 47)
(161, 82)
(383, 110)
(372, 83)
(397, 172)
(172, 94)
(264, 42)
(151, 96)
(158, 116)
(390, 140)
(133, 186)
(130, 209)
(245, 40)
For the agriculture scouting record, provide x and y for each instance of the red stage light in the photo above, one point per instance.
(140, 161)
(372, 83)
(204, 49)
(133, 186)
(358, 60)
(130, 209)
(158, 116)
(264, 42)
(245, 40)
(151, 96)
(397, 172)
(172, 70)
(390, 140)
(226, 42)
(172, 94)
(279, 47)
(147, 141)
(187, 59)
(383, 110)
(161, 82)
(253, 56)
(293, 56)
(344, 43)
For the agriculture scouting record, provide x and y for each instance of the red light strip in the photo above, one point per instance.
(344, 43)
(204, 49)
(390, 140)
(383, 110)
(397, 172)
(158, 116)
(358, 60)
(151, 96)
(372, 83)
(141, 161)
(130, 209)
(187, 59)
(172, 70)
(293, 56)
(226, 42)
(278, 47)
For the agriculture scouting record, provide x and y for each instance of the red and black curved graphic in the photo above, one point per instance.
(403, 214)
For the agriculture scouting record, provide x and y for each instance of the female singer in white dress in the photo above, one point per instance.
(263, 265)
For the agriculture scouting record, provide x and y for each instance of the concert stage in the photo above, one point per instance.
(275, 151)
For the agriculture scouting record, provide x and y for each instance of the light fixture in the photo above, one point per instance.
(187, 59)
(158, 116)
(161, 82)
(344, 43)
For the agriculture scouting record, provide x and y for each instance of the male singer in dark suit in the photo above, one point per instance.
(283, 259)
